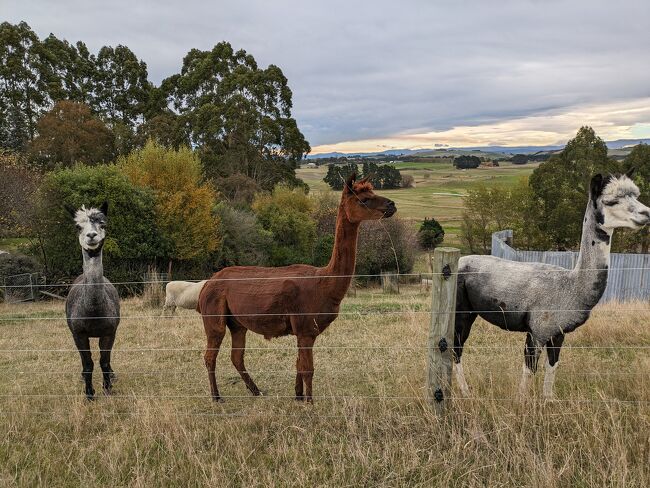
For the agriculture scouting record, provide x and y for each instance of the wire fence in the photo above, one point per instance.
(406, 309)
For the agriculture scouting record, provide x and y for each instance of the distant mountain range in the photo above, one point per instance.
(618, 144)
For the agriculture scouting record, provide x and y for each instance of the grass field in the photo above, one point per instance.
(438, 191)
(370, 424)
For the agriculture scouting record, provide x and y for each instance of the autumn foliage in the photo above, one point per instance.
(184, 203)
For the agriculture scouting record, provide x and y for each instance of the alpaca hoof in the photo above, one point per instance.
(113, 377)
(108, 391)
(258, 393)
(218, 400)
(299, 398)
(90, 397)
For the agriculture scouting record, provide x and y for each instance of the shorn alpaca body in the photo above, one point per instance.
(545, 301)
(92, 307)
(183, 294)
(300, 300)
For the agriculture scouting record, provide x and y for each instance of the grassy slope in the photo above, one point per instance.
(161, 429)
(434, 183)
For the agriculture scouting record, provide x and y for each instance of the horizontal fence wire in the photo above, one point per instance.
(318, 277)
(207, 396)
(35, 317)
(316, 348)
(292, 372)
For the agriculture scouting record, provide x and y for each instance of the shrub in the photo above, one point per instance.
(243, 240)
(14, 264)
(375, 250)
(133, 239)
(286, 215)
(18, 184)
(430, 235)
(184, 204)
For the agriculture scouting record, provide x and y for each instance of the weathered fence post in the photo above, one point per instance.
(441, 334)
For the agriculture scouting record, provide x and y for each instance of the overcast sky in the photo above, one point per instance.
(371, 75)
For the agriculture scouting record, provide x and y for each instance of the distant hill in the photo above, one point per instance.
(459, 151)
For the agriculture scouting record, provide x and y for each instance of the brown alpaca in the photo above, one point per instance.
(299, 299)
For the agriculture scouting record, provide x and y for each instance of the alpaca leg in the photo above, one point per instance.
(306, 363)
(463, 326)
(214, 336)
(299, 383)
(83, 345)
(105, 347)
(553, 354)
(237, 356)
(531, 357)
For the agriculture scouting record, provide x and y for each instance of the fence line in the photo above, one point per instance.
(316, 348)
(330, 397)
(309, 314)
(497, 253)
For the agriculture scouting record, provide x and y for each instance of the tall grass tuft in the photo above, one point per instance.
(154, 288)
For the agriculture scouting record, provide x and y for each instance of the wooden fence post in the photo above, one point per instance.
(441, 333)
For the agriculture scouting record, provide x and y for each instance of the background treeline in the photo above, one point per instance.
(546, 211)
(384, 176)
(61, 103)
(199, 171)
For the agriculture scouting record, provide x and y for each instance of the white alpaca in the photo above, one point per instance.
(544, 301)
(183, 294)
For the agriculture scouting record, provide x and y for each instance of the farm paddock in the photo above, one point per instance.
(370, 424)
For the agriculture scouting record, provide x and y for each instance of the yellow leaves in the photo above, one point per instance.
(184, 204)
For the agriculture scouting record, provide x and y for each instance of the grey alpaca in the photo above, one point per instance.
(545, 301)
(92, 308)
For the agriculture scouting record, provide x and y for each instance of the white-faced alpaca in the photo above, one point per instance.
(183, 294)
(92, 307)
(543, 300)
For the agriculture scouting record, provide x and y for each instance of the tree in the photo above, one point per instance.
(384, 176)
(430, 235)
(23, 84)
(491, 209)
(561, 185)
(18, 185)
(285, 213)
(184, 203)
(121, 87)
(337, 174)
(519, 159)
(69, 133)
(238, 115)
(133, 241)
(467, 162)
(636, 241)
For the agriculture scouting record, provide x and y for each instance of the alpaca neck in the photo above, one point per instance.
(344, 253)
(93, 273)
(593, 260)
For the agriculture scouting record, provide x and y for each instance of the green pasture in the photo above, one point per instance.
(439, 188)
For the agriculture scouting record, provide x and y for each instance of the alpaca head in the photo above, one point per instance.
(616, 201)
(91, 225)
(361, 203)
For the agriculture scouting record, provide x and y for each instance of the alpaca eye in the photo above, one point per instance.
(612, 203)
(78, 226)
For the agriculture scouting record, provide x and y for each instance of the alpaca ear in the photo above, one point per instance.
(630, 172)
(71, 211)
(596, 187)
(104, 208)
(349, 183)
(368, 178)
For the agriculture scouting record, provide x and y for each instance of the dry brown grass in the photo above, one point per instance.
(161, 429)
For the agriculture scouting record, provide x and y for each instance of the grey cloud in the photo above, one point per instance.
(376, 68)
